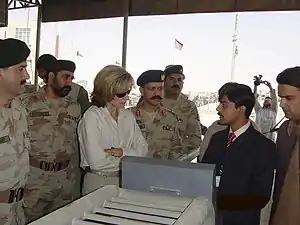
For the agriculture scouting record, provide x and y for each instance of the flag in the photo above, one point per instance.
(178, 45)
(79, 54)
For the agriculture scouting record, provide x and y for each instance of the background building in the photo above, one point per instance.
(25, 31)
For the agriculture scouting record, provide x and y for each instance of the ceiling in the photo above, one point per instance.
(65, 10)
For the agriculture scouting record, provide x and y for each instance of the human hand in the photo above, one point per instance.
(116, 152)
(267, 83)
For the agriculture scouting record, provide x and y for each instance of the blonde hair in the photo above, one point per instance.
(111, 80)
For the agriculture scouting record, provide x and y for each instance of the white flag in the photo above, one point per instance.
(178, 45)
(79, 54)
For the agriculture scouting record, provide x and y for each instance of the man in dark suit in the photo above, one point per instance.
(286, 198)
(244, 159)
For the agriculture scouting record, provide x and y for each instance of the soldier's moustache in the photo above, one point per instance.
(176, 86)
(156, 97)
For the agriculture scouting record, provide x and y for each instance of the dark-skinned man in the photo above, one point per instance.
(186, 110)
(52, 125)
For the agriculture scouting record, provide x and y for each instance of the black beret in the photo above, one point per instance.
(46, 62)
(173, 69)
(12, 52)
(150, 76)
(67, 65)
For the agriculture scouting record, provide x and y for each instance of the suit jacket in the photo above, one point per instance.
(248, 170)
(285, 145)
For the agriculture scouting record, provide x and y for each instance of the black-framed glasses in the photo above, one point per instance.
(122, 95)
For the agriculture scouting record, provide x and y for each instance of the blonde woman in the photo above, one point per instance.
(108, 131)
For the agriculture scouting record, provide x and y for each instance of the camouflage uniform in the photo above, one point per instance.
(29, 88)
(162, 134)
(52, 126)
(80, 95)
(190, 121)
(14, 163)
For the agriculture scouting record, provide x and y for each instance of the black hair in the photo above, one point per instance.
(240, 95)
(290, 76)
(225, 86)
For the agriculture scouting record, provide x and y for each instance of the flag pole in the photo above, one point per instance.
(57, 42)
(234, 48)
(174, 51)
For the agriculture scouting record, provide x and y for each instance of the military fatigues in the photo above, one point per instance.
(14, 140)
(14, 163)
(53, 144)
(80, 95)
(29, 88)
(190, 122)
(162, 134)
(77, 94)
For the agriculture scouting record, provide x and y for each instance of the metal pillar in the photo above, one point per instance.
(234, 48)
(38, 39)
(125, 32)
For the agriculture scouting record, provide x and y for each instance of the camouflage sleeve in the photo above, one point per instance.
(23, 99)
(74, 172)
(83, 100)
(193, 132)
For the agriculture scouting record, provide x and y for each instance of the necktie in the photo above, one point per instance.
(231, 137)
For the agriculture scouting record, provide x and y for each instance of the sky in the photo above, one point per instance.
(268, 42)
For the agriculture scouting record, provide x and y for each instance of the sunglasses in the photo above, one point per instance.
(122, 95)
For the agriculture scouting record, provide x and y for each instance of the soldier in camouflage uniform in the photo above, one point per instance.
(14, 140)
(77, 93)
(182, 106)
(52, 124)
(160, 126)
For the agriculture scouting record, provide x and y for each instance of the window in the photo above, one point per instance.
(23, 34)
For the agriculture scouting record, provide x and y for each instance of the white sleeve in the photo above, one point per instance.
(139, 146)
(274, 100)
(91, 149)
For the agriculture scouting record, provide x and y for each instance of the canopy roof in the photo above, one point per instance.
(65, 10)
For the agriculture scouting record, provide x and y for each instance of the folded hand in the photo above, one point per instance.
(117, 152)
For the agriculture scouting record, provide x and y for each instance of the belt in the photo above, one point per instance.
(49, 166)
(9, 196)
(105, 174)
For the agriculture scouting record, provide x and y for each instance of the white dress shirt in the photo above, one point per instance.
(240, 131)
(97, 130)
